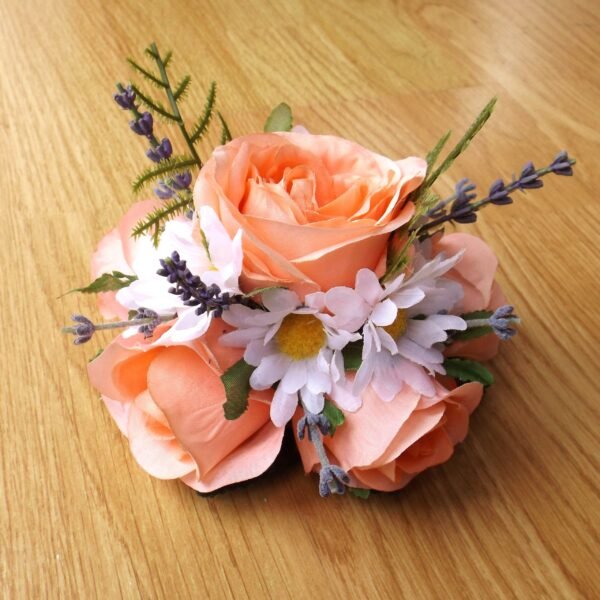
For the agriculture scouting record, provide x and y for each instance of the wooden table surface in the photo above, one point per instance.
(515, 512)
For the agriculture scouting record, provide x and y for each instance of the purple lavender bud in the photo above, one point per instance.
(163, 191)
(143, 125)
(160, 152)
(310, 420)
(332, 479)
(125, 99)
(182, 181)
(147, 328)
(561, 165)
(498, 194)
(502, 320)
(470, 217)
(529, 179)
(84, 330)
(463, 193)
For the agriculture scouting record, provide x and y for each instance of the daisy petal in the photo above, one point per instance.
(425, 332)
(280, 300)
(415, 353)
(270, 370)
(417, 378)
(384, 313)
(295, 377)
(408, 297)
(449, 322)
(368, 286)
(283, 407)
(314, 403)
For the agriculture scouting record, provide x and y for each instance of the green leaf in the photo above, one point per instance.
(172, 165)
(149, 76)
(237, 388)
(154, 221)
(468, 370)
(398, 261)
(474, 332)
(434, 154)
(225, 133)
(334, 415)
(107, 282)
(153, 104)
(352, 356)
(477, 314)
(471, 333)
(167, 58)
(182, 87)
(464, 142)
(361, 493)
(204, 121)
(280, 119)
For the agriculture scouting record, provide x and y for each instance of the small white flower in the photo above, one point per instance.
(288, 343)
(219, 263)
(402, 323)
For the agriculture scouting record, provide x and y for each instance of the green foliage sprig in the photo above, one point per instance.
(154, 222)
(423, 198)
(159, 76)
(107, 282)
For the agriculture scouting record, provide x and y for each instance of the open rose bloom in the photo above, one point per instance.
(308, 284)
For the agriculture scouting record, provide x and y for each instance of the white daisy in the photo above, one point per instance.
(218, 262)
(288, 343)
(402, 324)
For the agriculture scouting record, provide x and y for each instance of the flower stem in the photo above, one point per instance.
(470, 209)
(121, 324)
(173, 102)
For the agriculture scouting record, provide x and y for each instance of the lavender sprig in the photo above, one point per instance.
(85, 329)
(307, 423)
(159, 152)
(332, 478)
(464, 210)
(501, 322)
(193, 291)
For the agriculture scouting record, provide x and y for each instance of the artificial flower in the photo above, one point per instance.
(290, 345)
(476, 274)
(217, 265)
(313, 302)
(168, 402)
(314, 208)
(118, 251)
(402, 323)
(384, 445)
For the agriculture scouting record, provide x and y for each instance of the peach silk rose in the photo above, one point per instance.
(384, 445)
(476, 272)
(314, 208)
(168, 401)
(116, 252)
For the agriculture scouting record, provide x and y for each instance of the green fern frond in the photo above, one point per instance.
(155, 221)
(149, 76)
(167, 58)
(153, 104)
(182, 88)
(225, 133)
(204, 121)
(172, 165)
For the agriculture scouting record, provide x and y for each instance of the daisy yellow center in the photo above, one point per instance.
(300, 336)
(398, 327)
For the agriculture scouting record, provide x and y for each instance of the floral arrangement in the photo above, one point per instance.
(293, 279)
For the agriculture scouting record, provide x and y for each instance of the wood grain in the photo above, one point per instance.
(515, 512)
